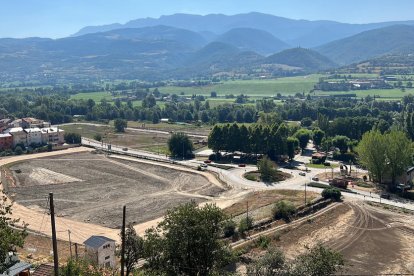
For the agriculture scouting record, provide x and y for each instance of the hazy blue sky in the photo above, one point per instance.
(58, 18)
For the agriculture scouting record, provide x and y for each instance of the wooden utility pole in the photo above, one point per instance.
(76, 251)
(54, 240)
(70, 244)
(123, 242)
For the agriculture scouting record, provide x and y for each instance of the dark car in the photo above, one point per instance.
(242, 165)
(385, 195)
(207, 161)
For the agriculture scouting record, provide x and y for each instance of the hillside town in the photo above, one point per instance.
(27, 132)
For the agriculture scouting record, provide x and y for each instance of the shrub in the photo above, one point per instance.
(263, 242)
(332, 193)
(98, 137)
(229, 228)
(18, 150)
(73, 138)
(283, 210)
(245, 224)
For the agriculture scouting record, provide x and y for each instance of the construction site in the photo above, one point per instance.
(93, 188)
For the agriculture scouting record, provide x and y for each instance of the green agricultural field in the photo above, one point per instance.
(385, 94)
(253, 88)
(96, 96)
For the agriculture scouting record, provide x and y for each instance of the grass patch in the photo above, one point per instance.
(277, 177)
(324, 186)
(364, 185)
(321, 166)
(264, 199)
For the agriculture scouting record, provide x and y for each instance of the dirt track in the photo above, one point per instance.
(372, 240)
(39, 221)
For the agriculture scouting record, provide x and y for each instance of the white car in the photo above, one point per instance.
(302, 174)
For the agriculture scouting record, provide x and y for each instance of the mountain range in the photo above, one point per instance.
(303, 33)
(242, 44)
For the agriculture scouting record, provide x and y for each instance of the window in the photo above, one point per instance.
(106, 246)
(107, 258)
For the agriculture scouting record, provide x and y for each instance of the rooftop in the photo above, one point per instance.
(5, 135)
(15, 129)
(30, 130)
(97, 241)
(16, 269)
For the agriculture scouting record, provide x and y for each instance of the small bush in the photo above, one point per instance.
(283, 210)
(18, 150)
(229, 228)
(245, 224)
(332, 193)
(263, 242)
(97, 137)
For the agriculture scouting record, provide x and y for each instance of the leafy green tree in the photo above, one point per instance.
(372, 154)
(271, 264)
(283, 210)
(306, 122)
(120, 125)
(180, 145)
(399, 154)
(323, 122)
(11, 238)
(187, 242)
(216, 139)
(97, 137)
(245, 224)
(149, 101)
(229, 228)
(318, 261)
(303, 135)
(266, 169)
(332, 193)
(72, 138)
(318, 136)
(134, 249)
(341, 142)
(292, 144)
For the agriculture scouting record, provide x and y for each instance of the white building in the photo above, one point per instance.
(34, 136)
(53, 135)
(19, 136)
(100, 250)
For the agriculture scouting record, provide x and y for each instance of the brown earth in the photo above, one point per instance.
(372, 240)
(92, 188)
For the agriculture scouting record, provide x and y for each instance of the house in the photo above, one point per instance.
(33, 123)
(6, 141)
(34, 136)
(100, 250)
(16, 123)
(52, 135)
(18, 269)
(4, 124)
(19, 136)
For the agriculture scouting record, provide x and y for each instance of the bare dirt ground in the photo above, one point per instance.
(372, 240)
(92, 188)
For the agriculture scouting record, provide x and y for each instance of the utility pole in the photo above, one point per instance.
(305, 193)
(70, 244)
(123, 242)
(76, 251)
(54, 241)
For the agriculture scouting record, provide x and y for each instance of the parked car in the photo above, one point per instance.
(315, 178)
(242, 165)
(125, 149)
(207, 161)
(302, 173)
(385, 195)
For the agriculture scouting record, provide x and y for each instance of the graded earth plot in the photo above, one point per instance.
(372, 240)
(93, 188)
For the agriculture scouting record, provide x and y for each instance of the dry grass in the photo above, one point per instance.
(258, 200)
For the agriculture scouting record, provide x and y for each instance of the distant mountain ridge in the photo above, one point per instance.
(308, 60)
(303, 33)
(389, 40)
(248, 39)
